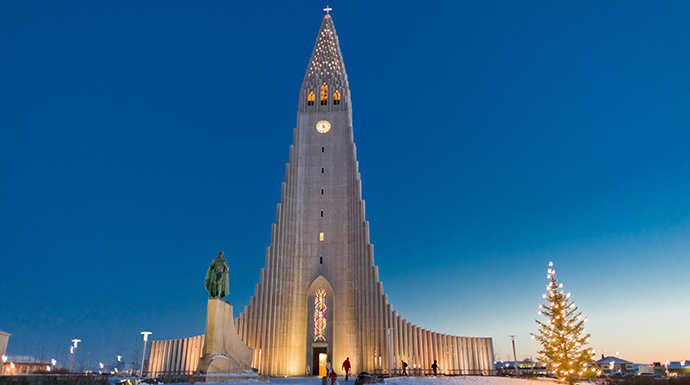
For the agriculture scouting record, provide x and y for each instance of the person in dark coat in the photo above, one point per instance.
(404, 366)
(434, 367)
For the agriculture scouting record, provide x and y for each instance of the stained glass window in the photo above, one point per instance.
(320, 315)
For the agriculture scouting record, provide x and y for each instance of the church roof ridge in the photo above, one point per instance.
(326, 61)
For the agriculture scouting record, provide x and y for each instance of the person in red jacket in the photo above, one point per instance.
(333, 376)
(346, 368)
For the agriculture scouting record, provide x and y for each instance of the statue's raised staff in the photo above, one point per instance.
(217, 280)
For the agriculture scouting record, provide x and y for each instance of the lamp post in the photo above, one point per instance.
(517, 374)
(73, 352)
(146, 338)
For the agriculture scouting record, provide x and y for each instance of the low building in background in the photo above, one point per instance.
(25, 365)
(615, 364)
(525, 367)
(677, 368)
(3, 347)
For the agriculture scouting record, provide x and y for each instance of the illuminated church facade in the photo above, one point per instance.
(319, 298)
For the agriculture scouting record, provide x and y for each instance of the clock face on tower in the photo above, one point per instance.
(323, 126)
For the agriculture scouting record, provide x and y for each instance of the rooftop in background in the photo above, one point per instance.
(610, 359)
(24, 359)
(685, 364)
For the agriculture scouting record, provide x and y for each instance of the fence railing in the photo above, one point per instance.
(418, 372)
(156, 373)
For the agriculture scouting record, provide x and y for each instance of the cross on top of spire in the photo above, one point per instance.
(328, 10)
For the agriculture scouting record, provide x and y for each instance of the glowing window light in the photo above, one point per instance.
(320, 309)
(324, 94)
(321, 236)
(310, 98)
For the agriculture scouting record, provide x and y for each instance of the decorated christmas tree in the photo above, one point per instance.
(562, 336)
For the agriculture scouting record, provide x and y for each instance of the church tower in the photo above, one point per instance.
(319, 298)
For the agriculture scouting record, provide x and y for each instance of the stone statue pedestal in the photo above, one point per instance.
(224, 354)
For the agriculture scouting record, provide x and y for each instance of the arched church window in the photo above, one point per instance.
(336, 97)
(324, 94)
(310, 98)
(320, 315)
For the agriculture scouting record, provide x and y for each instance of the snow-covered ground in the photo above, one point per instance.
(469, 380)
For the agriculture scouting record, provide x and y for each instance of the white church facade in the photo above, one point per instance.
(319, 298)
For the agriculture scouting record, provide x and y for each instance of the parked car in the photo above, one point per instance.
(618, 375)
(653, 375)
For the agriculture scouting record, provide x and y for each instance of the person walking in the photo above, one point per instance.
(434, 367)
(333, 376)
(404, 366)
(346, 368)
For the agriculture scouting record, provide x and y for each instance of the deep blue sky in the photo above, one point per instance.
(138, 139)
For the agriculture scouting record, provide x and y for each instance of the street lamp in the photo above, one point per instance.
(512, 338)
(146, 338)
(73, 352)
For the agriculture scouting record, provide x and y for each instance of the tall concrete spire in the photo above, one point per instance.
(319, 298)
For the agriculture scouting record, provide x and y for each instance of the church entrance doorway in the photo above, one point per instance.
(320, 358)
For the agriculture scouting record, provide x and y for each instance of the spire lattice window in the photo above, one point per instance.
(324, 94)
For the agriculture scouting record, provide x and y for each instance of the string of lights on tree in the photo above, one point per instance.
(562, 336)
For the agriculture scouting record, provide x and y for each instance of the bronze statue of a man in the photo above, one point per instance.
(217, 280)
